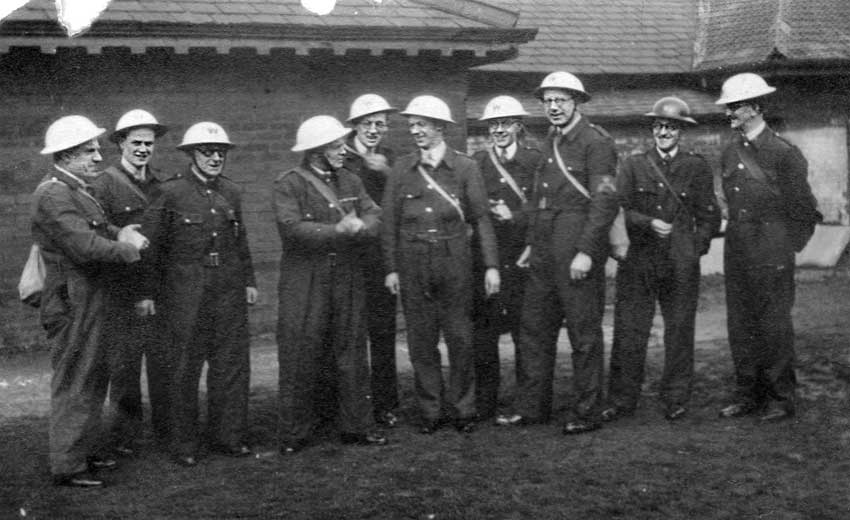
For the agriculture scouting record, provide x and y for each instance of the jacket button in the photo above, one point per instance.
(550, 160)
(545, 184)
(660, 184)
(740, 166)
(212, 210)
(127, 208)
(428, 210)
(214, 233)
(736, 188)
(502, 181)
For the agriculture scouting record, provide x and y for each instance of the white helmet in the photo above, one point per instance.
(318, 131)
(136, 118)
(743, 86)
(431, 107)
(204, 133)
(68, 132)
(566, 81)
(368, 104)
(503, 106)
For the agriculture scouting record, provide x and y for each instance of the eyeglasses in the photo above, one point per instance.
(736, 105)
(658, 126)
(496, 124)
(559, 101)
(379, 125)
(209, 151)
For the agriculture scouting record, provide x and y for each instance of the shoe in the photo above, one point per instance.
(465, 425)
(387, 419)
(674, 413)
(513, 420)
(187, 461)
(237, 450)
(124, 450)
(364, 439)
(776, 411)
(430, 427)
(83, 480)
(100, 463)
(578, 426)
(737, 410)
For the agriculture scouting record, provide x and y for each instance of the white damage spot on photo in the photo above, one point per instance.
(319, 7)
(77, 15)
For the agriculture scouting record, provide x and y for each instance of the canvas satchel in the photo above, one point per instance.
(618, 236)
(32, 278)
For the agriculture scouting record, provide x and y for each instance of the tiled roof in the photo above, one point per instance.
(748, 32)
(604, 36)
(375, 26)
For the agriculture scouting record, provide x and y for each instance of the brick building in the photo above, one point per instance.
(257, 67)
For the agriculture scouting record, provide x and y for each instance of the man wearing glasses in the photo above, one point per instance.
(772, 214)
(573, 206)
(201, 266)
(370, 160)
(671, 215)
(507, 166)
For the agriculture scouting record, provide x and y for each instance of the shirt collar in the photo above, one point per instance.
(755, 132)
(672, 153)
(140, 174)
(434, 156)
(508, 151)
(81, 182)
(564, 130)
(206, 181)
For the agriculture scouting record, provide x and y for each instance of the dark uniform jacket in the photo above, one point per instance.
(125, 200)
(190, 221)
(76, 240)
(374, 182)
(411, 209)
(306, 220)
(767, 220)
(589, 156)
(645, 197)
(510, 234)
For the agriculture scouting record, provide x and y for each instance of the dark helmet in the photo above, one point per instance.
(671, 108)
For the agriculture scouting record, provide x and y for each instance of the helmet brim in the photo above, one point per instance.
(118, 135)
(734, 99)
(47, 150)
(364, 114)
(344, 132)
(189, 146)
(445, 120)
(578, 95)
(675, 118)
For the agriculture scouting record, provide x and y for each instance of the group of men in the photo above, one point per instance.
(513, 239)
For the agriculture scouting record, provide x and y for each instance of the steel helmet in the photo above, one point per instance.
(671, 108)
(743, 86)
(68, 132)
(318, 131)
(205, 132)
(565, 81)
(368, 104)
(503, 106)
(136, 118)
(431, 107)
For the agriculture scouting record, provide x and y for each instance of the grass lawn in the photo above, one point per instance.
(640, 467)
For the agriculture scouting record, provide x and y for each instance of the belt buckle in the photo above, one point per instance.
(212, 260)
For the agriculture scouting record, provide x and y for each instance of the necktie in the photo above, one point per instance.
(503, 156)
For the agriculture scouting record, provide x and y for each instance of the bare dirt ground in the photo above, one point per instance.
(638, 468)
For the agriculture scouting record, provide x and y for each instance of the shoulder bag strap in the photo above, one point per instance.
(507, 176)
(753, 167)
(665, 181)
(322, 188)
(451, 200)
(563, 168)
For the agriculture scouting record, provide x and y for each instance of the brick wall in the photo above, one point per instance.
(260, 101)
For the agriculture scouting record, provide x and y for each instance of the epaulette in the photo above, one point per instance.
(695, 154)
(174, 177)
(601, 131)
(784, 140)
(531, 148)
(638, 152)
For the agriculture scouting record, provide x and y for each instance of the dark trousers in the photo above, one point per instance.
(761, 334)
(74, 317)
(552, 299)
(492, 317)
(642, 279)
(127, 337)
(209, 323)
(436, 297)
(321, 325)
(381, 322)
